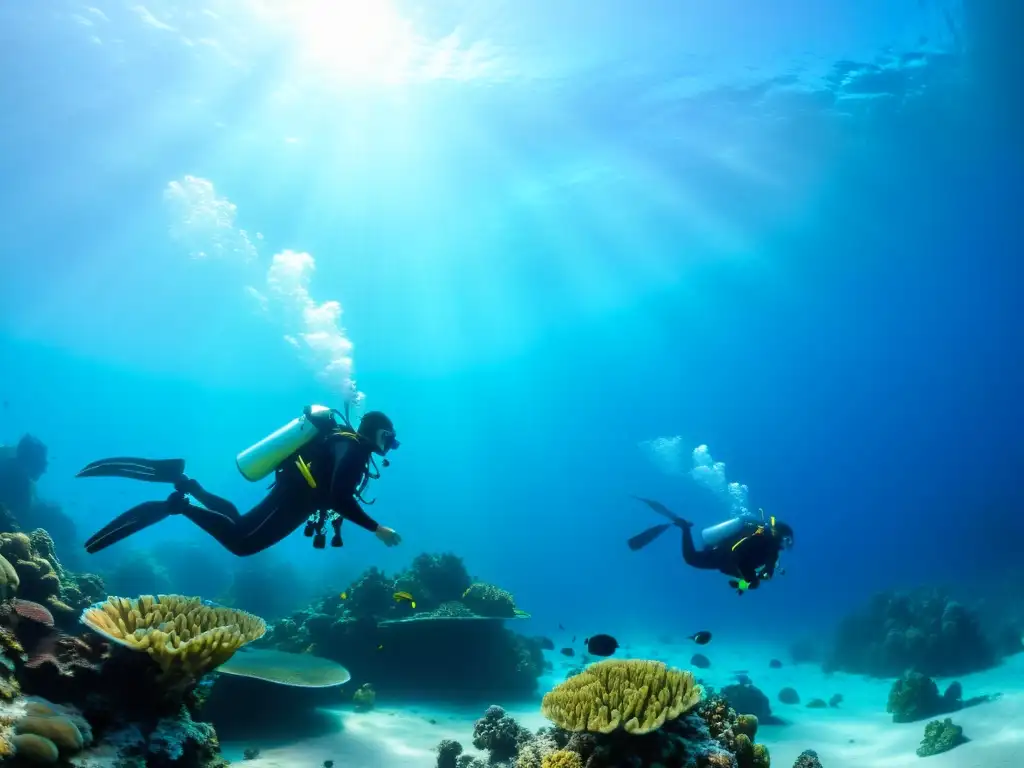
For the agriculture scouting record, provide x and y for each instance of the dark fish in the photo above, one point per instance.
(574, 638)
(743, 678)
(700, 661)
(546, 643)
(701, 638)
(567, 652)
(561, 627)
(836, 700)
(775, 664)
(602, 645)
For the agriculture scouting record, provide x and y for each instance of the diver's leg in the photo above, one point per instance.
(134, 520)
(705, 559)
(209, 500)
(273, 518)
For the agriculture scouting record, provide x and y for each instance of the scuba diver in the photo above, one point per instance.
(321, 467)
(745, 548)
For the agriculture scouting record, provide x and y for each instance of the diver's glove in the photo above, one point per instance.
(388, 536)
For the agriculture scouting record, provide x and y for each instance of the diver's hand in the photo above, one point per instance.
(388, 536)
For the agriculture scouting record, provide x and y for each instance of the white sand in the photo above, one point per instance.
(858, 733)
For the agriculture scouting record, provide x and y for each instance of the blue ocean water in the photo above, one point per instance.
(569, 245)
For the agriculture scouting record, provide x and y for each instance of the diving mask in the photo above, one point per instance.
(386, 441)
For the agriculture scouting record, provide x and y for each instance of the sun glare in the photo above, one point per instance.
(352, 41)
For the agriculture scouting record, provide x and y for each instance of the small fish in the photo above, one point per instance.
(701, 638)
(601, 645)
(380, 647)
(743, 678)
(775, 664)
(546, 643)
(559, 624)
(568, 652)
(343, 595)
(574, 638)
(400, 596)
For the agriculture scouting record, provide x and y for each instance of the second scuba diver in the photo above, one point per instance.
(320, 463)
(744, 548)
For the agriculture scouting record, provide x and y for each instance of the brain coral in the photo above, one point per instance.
(186, 636)
(636, 696)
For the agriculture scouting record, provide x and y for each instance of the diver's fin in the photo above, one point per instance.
(151, 470)
(641, 540)
(134, 520)
(664, 511)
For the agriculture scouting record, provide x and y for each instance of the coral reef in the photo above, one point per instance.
(187, 637)
(748, 698)
(707, 735)
(42, 579)
(489, 600)
(637, 696)
(916, 697)
(448, 752)
(365, 698)
(789, 696)
(384, 641)
(499, 734)
(434, 579)
(924, 630)
(807, 759)
(940, 736)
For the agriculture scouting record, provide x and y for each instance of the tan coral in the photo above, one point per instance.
(636, 696)
(184, 635)
(9, 581)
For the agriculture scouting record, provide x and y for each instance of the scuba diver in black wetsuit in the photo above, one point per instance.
(320, 469)
(743, 547)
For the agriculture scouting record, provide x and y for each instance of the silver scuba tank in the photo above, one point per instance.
(259, 460)
(714, 535)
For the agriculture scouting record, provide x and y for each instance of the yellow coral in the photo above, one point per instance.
(184, 635)
(637, 696)
(6, 748)
(563, 758)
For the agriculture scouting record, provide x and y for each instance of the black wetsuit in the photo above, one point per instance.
(338, 464)
(750, 556)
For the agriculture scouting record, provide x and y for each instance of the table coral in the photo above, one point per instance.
(186, 636)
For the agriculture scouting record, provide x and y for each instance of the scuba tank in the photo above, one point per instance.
(714, 535)
(259, 460)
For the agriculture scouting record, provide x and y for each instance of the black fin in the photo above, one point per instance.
(641, 540)
(662, 510)
(150, 470)
(134, 520)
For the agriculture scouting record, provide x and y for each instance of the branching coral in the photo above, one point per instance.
(636, 696)
(499, 734)
(184, 635)
(489, 600)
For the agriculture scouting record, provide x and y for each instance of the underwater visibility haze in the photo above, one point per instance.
(578, 274)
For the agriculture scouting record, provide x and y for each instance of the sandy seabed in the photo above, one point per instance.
(857, 733)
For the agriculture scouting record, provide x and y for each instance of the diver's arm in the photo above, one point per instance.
(349, 509)
(348, 469)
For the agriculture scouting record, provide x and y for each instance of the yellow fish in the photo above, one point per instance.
(344, 595)
(400, 596)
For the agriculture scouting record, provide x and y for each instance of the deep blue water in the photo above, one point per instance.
(787, 232)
